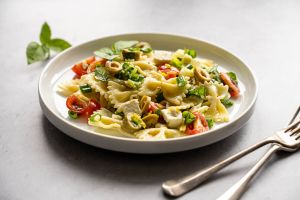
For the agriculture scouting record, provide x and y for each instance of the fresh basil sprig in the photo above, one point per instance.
(41, 51)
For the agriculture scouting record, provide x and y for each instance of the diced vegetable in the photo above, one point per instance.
(168, 71)
(199, 125)
(72, 114)
(191, 52)
(188, 117)
(129, 72)
(81, 68)
(85, 88)
(181, 82)
(190, 67)
(226, 102)
(176, 62)
(210, 122)
(200, 92)
(76, 105)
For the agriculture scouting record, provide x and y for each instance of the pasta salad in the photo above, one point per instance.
(149, 94)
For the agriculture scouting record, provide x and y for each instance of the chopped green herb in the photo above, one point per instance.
(233, 77)
(181, 82)
(176, 62)
(188, 117)
(215, 74)
(158, 112)
(95, 117)
(72, 114)
(226, 102)
(210, 122)
(190, 67)
(160, 97)
(133, 84)
(85, 88)
(190, 52)
(129, 72)
(146, 50)
(120, 114)
(101, 74)
(200, 92)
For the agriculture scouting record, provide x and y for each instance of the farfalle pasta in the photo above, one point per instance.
(149, 94)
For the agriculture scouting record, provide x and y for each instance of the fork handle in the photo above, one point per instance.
(180, 186)
(235, 192)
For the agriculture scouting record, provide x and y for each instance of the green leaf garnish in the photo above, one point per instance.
(181, 82)
(106, 53)
(200, 92)
(226, 102)
(233, 77)
(101, 74)
(188, 117)
(45, 34)
(120, 45)
(36, 52)
(210, 122)
(190, 52)
(58, 44)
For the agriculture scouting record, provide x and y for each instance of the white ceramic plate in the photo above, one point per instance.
(53, 105)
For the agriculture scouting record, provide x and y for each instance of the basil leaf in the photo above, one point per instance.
(200, 92)
(120, 45)
(233, 77)
(36, 52)
(58, 44)
(181, 82)
(106, 53)
(45, 34)
(226, 102)
(101, 74)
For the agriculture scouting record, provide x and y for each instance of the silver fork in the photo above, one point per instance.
(285, 139)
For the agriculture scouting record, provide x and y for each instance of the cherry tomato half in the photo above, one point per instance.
(233, 89)
(76, 105)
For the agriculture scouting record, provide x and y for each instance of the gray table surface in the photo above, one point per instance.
(39, 162)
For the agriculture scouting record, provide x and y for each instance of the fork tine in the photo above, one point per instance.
(295, 115)
(295, 131)
(292, 126)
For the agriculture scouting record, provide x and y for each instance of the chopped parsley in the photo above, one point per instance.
(181, 82)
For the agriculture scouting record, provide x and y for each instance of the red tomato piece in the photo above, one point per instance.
(198, 126)
(91, 107)
(76, 105)
(233, 89)
(170, 72)
(93, 65)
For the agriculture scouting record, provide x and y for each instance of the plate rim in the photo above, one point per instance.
(169, 140)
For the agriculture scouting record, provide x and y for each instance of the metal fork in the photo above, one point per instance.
(286, 139)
